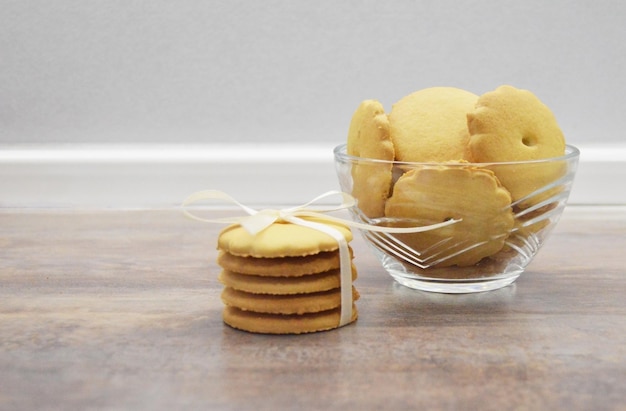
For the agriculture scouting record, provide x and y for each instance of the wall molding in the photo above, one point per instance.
(156, 175)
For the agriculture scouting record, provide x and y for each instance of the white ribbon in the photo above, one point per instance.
(257, 221)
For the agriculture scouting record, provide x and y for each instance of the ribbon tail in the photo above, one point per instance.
(380, 229)
(347, 202)
(213, 195)
(345, 266)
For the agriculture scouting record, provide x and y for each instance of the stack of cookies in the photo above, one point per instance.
(285, 279)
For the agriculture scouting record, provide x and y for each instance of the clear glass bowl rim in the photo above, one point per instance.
(571, 153)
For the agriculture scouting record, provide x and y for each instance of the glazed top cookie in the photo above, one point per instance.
(280, 240)
(368, 137)
(430, 125)
(436, 194)
(510, 124)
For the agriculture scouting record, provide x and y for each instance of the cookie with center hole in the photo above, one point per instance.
(513, 125)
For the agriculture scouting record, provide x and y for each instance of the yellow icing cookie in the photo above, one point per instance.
(280, 240)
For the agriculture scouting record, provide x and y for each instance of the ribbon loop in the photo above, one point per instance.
(258, 222)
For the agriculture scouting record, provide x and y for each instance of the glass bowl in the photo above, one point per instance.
(499, 215)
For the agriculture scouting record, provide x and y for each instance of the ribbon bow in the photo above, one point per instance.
(257, 221)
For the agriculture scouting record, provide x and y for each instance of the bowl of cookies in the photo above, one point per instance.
(495, 167)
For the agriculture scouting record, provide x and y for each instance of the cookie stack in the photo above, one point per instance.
(283, 280)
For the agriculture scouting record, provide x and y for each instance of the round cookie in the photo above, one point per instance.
(510, 124)
(436, 194)
(280, 239)
(430, 125)
(281, 267)
(285, 304)
(368, 137)
(284, 324)
(283, 285)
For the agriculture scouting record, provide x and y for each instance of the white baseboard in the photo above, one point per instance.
(137, 176)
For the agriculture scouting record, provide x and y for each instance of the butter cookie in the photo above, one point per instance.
(281, 267)
(284, 324)
(368, 137)
(285, 303)
(513, 125)
(430, 125)
(280, 285)
(436, 194)
(280, 239)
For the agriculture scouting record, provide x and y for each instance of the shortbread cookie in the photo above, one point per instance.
(280, 239)
(430, 125)
(440, 193)
(285, 304)
(283, 285)
(284, 324)
(510, 124)
(368, 137)
(281, 267)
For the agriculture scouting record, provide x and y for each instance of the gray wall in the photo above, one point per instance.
(293, 71)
